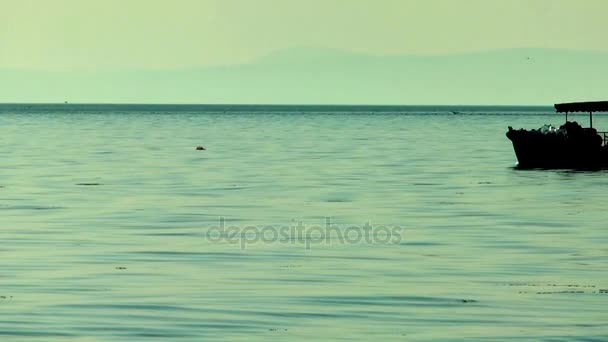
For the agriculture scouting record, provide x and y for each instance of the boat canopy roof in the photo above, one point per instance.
(600, 106)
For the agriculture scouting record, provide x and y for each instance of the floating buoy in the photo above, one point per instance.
(200, 148)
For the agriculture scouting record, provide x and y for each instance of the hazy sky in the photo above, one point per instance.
(159, 34)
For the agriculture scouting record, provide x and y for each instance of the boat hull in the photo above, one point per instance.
(557, 151)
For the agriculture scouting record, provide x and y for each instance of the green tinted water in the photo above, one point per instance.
(110, 229)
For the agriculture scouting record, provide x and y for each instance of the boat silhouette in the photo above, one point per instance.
(569, 147)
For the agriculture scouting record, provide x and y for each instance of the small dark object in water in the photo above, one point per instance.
(88, 184)
(121, 268)
(200, 148)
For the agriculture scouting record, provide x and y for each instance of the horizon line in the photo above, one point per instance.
(67, 103)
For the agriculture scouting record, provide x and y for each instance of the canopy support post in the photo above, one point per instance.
(591, 119)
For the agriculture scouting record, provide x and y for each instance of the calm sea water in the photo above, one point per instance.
(114, 228)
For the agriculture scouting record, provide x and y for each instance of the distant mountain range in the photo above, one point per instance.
(319, 76)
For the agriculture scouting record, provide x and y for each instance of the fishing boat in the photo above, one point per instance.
(569, 147)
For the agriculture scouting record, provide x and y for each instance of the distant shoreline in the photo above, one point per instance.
(287, 107)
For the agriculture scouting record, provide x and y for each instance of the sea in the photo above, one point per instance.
(327, 223)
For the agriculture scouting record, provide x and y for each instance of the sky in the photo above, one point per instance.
(159, 34)
(62, 40)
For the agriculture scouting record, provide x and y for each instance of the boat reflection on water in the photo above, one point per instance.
(569, 147)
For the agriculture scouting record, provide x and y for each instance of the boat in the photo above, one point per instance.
(569, 147)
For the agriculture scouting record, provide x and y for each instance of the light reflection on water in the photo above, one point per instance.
(105, 219)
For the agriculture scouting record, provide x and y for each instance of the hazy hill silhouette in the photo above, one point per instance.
(518, 76)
